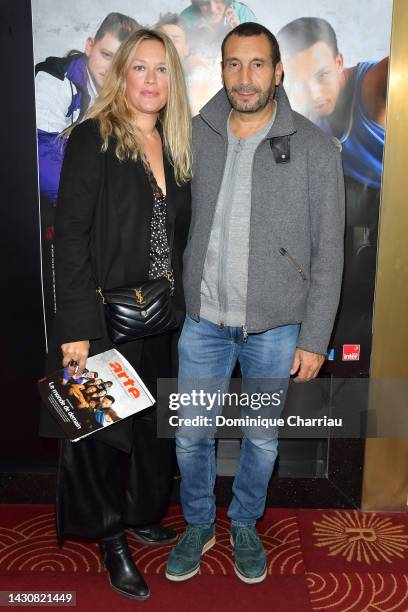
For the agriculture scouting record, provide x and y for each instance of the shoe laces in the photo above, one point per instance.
(246, 538)
(192, 537)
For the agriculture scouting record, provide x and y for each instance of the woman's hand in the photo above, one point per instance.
(75, 351)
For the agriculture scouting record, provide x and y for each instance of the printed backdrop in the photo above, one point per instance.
(335, 57)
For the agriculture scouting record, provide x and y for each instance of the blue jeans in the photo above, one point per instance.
(209, 353)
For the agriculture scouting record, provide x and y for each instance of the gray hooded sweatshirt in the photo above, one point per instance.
(295, 250)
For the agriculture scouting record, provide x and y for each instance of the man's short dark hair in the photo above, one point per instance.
(117, 24)
(302, 33)
(254, 29)
(109, 397)
(170, 19)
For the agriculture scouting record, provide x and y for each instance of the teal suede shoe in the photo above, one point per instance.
(249, 554)
(184, 559)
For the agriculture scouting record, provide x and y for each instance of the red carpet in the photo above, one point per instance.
(323, 560)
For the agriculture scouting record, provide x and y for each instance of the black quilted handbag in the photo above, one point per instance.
(136, 312)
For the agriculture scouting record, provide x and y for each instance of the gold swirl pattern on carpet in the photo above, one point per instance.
(355, 592)
(32, 546)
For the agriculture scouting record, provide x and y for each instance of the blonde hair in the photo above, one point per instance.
(115, 118)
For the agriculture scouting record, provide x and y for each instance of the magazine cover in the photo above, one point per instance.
(107, 391)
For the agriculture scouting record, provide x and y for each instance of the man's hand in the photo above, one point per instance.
(231, 18)
(75, 351)
(306, 364)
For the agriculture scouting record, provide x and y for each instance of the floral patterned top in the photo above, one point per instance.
(159, 246)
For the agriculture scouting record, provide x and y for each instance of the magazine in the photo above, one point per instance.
(107, 391)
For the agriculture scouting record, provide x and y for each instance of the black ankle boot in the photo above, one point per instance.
(154, 535)
(124, 577)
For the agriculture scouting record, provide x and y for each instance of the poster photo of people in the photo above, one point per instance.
(335, 59)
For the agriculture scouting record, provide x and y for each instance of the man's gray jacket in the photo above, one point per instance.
(296, 235)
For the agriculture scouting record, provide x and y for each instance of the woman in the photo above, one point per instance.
(106, 385)
(124, 185)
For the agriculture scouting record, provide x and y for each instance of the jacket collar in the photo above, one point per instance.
(217, 110)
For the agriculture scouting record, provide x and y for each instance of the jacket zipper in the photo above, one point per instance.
(294, 263)
(226, 215)
(245, 326)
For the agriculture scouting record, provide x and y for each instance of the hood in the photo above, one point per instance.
(73, 66)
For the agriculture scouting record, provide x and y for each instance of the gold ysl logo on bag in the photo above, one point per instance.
(139, 296)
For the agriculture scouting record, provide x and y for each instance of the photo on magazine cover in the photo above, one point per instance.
(107, 391)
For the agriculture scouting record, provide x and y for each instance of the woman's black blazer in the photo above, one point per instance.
(96, 190)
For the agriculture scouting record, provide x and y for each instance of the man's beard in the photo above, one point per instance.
(250, 106)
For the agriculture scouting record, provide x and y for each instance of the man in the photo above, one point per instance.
(65, 88)
(107, 402)
(262, 277)
(89, 415)
(207, 22)
(348, 103)
(216, 13)
(196, 58)
(172, 25)
(69, 376)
